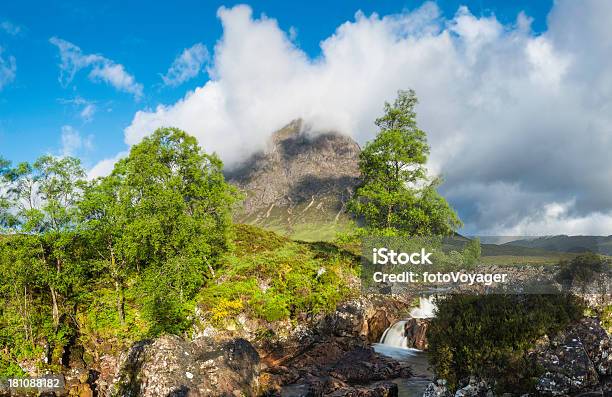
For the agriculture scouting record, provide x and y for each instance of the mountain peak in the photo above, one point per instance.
(303, 179)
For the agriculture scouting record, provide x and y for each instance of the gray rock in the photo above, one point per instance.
(437, 389)
(475, 388)
(171, 366)
(576, 361)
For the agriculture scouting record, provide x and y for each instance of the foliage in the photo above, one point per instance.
(582, 269)
(395, 196)
(115, 259)
(472, 252)
(489, 336)
(276, 278)
(606, 318)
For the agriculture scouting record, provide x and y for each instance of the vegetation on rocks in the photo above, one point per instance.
(273, 278)
(101, 264)
(490, 336)
(111, 260)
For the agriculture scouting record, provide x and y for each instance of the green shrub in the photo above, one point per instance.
(489, 336)
(273, 278)
(581, 270)
(606, 318)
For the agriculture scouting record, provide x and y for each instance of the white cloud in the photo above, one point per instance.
(102, 69)
(86, 108)
(105, 167)
(517, 121)
(8, 69)
(73, 142)
(10, 28)
(88, 112)
(555, 218)
(186, 66)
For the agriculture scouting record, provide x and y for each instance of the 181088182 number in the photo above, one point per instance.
(49, 382)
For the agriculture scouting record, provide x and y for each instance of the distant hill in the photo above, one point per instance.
(300, 184)
(458, 242)
(567, 244)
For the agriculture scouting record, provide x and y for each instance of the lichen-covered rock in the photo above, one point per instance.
(171, 366)
(437, 389)
(577, 360)
(597, 344)
(475, 388)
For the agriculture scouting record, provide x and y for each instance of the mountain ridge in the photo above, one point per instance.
(300, 183)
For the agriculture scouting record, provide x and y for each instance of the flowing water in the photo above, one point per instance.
(426, 309)
(394, 343)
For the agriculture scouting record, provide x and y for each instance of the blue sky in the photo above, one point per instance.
(144, 37)
(516, 97)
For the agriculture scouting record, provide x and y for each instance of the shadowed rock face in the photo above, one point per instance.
(302, 178)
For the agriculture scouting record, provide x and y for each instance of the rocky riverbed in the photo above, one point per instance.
(330, 355)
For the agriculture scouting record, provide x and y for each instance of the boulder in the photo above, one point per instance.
(171, 366)
(437, 389)
(576, 361)
(416, 333)
(475, 388)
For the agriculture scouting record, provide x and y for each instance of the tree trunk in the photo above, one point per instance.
(55, 308)
(118, 288)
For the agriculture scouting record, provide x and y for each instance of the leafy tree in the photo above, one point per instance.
(43, 197)
(7, 218)
(104, 221)
(163, 214)
(472, 252)
(395, 196)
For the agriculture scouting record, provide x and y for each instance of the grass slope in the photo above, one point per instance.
(271, 277)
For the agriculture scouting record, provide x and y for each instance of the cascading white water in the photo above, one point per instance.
(426, 308)
(394, 343)
(395, 335)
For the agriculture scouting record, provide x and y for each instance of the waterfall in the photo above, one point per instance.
(395, 335)
(426, 308)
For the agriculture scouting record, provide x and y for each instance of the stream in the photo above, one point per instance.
(394, 343)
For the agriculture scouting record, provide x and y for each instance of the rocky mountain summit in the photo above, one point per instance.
(300, 184)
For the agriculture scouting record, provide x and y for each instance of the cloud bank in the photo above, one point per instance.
(102, 69)
(520, 123)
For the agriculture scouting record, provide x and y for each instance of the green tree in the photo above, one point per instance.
(471, 253)
(103, 222)
(582, 270)
(164, 214)
(43, 197)
(7, 218)
(395, 196)
(490, 336)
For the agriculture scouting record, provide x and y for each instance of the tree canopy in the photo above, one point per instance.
(395, 196)
(126, 252)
